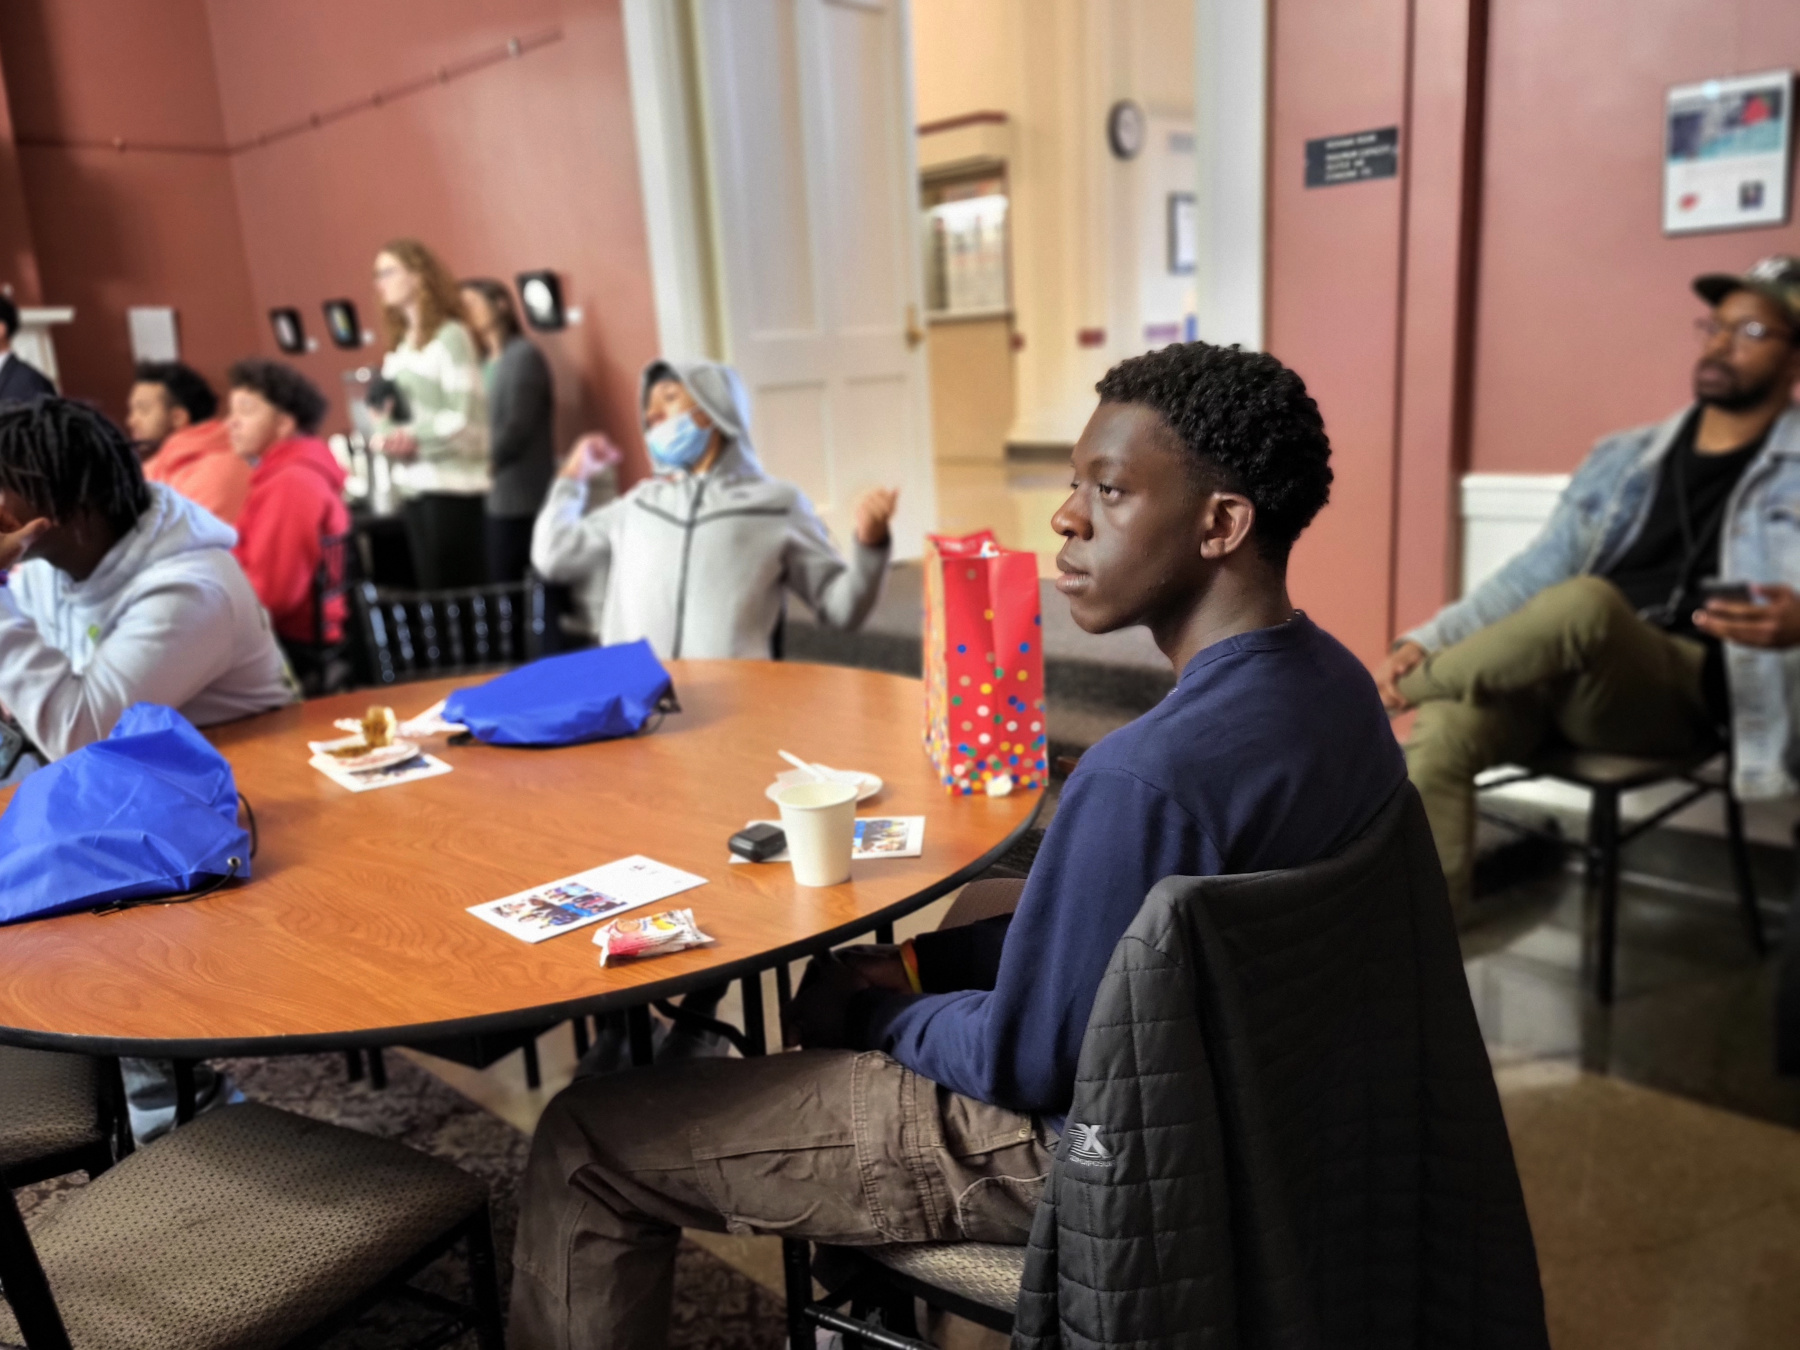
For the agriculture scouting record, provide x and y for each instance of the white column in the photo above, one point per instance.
(1231, 75)
(671, 172)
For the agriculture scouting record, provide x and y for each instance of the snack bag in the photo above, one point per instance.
(984, 665)
(673, 930)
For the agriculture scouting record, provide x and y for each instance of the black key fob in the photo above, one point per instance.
(758, 843)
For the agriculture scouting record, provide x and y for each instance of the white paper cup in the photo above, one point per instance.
(819, 820)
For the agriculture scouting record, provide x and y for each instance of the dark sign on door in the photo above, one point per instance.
(1331, 160)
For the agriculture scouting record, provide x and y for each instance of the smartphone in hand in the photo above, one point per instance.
(1732, 592)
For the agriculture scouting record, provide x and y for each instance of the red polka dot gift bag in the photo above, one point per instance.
(984, 666)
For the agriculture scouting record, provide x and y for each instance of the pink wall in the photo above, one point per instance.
(140, 227)
(1334, 268)
(523, 164)
(526, 164)
(18, 255)
(1510, 296)
(1584, 308)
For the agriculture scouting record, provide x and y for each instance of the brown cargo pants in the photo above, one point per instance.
(828, 1145)
(1574, 664)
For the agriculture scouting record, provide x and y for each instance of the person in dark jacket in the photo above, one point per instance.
(937, 1077)
(521, 411)
(19, 383)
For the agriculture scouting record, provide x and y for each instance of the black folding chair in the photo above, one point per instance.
(1608, 777)
(325, 665)
(416, 635)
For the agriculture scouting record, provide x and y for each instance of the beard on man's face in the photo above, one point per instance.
(1717, 385)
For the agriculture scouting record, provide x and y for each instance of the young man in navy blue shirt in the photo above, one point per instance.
(927, 1104)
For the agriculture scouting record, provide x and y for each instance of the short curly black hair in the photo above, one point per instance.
(1247, 424)
(284, 387)
(185, 386)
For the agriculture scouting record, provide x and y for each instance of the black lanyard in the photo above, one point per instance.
(1689, 546)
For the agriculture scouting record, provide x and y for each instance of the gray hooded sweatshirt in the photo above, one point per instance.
(167, 617)
(698, 562)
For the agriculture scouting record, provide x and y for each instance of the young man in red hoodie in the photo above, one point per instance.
(296, 498)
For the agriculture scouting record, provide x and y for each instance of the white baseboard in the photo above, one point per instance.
(1501, 513)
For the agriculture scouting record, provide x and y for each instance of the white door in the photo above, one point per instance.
(807, 114)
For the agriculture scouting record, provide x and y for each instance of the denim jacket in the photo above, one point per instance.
(1598, 517)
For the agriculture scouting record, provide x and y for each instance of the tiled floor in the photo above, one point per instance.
(1657, 1147)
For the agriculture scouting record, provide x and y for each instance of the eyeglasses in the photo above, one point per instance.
(388, 270)
(1744, 330)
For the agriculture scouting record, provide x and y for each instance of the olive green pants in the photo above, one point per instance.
(1574, 665)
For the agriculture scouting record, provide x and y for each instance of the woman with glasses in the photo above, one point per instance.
(432, 421)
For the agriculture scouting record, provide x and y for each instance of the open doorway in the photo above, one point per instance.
(1057, 171)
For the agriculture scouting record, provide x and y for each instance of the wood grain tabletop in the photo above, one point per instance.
(353, 931)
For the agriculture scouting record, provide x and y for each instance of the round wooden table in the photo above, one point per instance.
(353, 930)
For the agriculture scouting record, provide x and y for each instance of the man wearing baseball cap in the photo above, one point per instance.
(1604, 633)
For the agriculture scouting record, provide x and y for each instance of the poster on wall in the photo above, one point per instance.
(1727, 153)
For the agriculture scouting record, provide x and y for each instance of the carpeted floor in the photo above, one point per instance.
(716, 1307)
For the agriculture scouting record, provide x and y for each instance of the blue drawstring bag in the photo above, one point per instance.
(590, 695)
(147, 813)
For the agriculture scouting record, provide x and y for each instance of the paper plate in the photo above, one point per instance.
(397, 753)
(867, 784)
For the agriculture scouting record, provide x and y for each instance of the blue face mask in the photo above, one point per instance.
(677, 442)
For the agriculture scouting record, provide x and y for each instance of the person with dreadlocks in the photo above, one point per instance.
(119, 591)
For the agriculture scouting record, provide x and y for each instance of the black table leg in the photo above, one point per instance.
(796, 1269)
(184, 1091)
(637, 1026)
(755, 1035)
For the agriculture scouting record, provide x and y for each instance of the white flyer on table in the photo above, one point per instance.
(876, 837)
(585, 898)
(384, 775)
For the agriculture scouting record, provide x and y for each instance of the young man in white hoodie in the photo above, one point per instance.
(118, 592)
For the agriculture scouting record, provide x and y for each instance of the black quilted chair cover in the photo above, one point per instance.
(1285, 1131)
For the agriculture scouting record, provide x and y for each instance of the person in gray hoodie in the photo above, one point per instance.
(698, 559)
(699, 556)
(118, 592)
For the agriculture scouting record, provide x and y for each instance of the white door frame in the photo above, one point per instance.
(1231, 97)
(659, 56)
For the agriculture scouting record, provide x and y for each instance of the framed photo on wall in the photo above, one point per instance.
(341, 323)
(1728, 153)
(290, 333)
(541, 293)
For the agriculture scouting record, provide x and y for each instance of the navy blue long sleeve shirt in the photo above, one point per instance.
(1272, 751)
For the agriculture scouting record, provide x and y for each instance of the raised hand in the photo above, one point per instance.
(16, 540)
(872, 512)
(589, 456)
